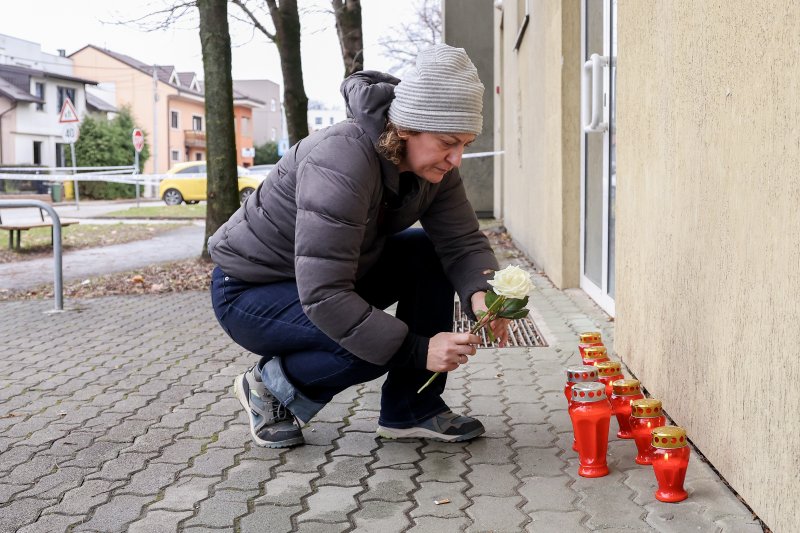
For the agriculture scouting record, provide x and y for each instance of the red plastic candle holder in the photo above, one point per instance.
(594, 354)
(578, 374)
(646, 415)
(670, 460)
(609, 371)
(590, 413)
(624, 391)
(589, 338)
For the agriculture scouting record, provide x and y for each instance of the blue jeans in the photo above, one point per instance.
(304, 368)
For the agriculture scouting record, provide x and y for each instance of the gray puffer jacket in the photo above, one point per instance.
(322, 216)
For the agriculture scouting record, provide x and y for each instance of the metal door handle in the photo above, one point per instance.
(592, 98)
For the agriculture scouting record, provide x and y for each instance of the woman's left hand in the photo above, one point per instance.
(498, 326)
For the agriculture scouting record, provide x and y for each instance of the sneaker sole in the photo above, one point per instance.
(422, 433)
(238, 391)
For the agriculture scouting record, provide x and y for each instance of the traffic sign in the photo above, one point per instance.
(68, 114)
(138, 140)
(70, 133)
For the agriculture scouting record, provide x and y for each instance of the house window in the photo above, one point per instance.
(274, 134)
(318, 121)
(331, 122)
(175, 155)
(173, 119)
(63, 94)
(245, 126)
(39, 91)
(37, 152)
(197, 123)
(272, 105)
(199, 157)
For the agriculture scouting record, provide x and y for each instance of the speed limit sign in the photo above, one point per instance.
(70, 132)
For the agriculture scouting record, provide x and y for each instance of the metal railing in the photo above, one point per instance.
(58, 288)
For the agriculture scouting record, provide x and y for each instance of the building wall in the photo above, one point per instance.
(468, 25)
(132, 88)
(8, 120)
(267, 117)
(186, 109)
(243, 122)
(708, 263)
(539, 124)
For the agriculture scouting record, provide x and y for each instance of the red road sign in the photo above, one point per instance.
(68, 114)
(138, 140)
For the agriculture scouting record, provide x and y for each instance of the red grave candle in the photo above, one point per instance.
(591, 415)
(670, 460)
(589, 338)
(646, 415)
(623, 392)
(578, 374)
(594, 354)
(609, 371)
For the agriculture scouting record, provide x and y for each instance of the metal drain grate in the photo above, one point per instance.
(521, 332)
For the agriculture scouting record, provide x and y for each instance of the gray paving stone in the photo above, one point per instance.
(321, 433)
(716, 498)
(205, 427)
(432, 524)
(159, 521)
(330, 504)
(152, 479)
(492, 480)
(390, 484)
(178, 452)
(494, 451)
(344, 471)
(438, 466)
(321, 527)
(22, 511)
(532, 435)
(736, 525)
(541, 462)
(481, 406)
(122, 467)
(54, 485)
(248, 475)
(563, 522)
(356, 443)
(383, 516)
(521, 394)
(496, 426)
(396, 453)
(90, 494)
(212, 463)
(221, 509)
(685, 516)
(432, 491)
(304, 459)
(609, 504)
(49, 524)
(530, 413)
(184, 494)
(286, 488)
(115, 514)
(266, 517)
(548, 494)
(497, 514)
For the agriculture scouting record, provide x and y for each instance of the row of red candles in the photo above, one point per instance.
(597, 390)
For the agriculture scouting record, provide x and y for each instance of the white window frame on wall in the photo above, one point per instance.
(178, 115)
(175, 155)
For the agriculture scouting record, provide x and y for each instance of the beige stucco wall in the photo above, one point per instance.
(540, 191)
(708, 262)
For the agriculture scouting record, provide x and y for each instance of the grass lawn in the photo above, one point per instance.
(35, 243)
(161, 212)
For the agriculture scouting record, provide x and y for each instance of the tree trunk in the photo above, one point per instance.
(287, 38)
(222, 184)
(348, 26)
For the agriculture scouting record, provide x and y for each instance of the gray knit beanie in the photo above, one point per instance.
(441, 93)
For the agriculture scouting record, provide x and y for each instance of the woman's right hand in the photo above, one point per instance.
(446, 351)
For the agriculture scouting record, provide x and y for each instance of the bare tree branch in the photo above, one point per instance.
(159, 19)
(254, 20)
(403, 42)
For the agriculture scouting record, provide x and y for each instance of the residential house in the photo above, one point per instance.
(33, 87)
(669, 195)
(168, 104)
(321, 116)
(267, 118)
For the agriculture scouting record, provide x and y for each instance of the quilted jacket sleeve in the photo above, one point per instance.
(335, 183)
(466, 255)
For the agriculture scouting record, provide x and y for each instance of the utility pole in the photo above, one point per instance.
(155, 127)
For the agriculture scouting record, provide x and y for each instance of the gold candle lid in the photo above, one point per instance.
(626, 387)
(595, 352)
(590, 336)
(669, 437)
(609, 368)
(581, 374)
(646, 408)
(588, 392)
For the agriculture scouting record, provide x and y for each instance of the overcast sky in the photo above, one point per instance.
(71, 25)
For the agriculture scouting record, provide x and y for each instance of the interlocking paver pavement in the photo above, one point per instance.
(117, 416)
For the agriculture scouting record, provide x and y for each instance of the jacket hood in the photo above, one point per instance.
(367, 95)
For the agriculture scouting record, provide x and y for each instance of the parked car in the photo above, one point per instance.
(187, 183)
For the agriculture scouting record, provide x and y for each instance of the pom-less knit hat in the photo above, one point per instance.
(441, 93)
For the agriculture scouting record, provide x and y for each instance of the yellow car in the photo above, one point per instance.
(187, 183)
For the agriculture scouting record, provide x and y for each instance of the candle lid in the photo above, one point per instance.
(590, 336)
(581, 374)
(646, 408)
(595, 352)
(669, 437)
(609, 368)
(588, 392)
(626, 387)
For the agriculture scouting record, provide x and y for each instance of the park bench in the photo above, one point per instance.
(16, 228)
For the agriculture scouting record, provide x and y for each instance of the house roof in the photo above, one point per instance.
(15, 69)
(95, 103)
(15, 82)
(186, 78)
(239, 97)
(14, 93)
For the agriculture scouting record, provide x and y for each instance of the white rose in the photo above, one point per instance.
(512, 282)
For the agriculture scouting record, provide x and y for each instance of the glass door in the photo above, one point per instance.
(598, 154)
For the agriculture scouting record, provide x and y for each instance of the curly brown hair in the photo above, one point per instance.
(391, 145)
